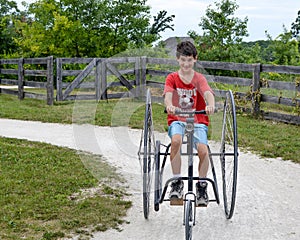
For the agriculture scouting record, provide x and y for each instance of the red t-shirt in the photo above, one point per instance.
(188, 96)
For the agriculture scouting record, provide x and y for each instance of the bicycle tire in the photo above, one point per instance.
(188, 219)
(147, 155)
(229, 155)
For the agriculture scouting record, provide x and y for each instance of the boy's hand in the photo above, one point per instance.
(209, 110)
(171, 109)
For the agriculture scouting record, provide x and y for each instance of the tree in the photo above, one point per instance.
(77, 28)
(284, 49)
(222, 32)
(7, 7)
(8, 11)
(161, 23)
(125, 22)
(296, 27)
(60, 28)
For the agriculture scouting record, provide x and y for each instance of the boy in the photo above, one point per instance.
(187, 89)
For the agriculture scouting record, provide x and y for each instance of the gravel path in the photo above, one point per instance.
(268, 192)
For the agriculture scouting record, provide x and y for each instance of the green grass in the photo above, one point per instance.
(41, 194)
(270, 139)
(36, 110)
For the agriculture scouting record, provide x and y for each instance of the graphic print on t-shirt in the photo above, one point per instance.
(186, 97)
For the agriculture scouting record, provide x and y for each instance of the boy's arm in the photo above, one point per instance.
(210, 102)
(169, 104)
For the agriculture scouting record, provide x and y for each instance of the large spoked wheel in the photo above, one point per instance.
(188, 219)
(158, 177)
(148, 147)
(229, 155)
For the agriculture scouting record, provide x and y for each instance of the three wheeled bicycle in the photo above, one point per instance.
(153, 155)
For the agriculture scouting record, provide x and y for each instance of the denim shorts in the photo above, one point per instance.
(200, 131)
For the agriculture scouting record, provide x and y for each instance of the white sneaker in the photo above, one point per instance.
(176, 189)
(201, 194)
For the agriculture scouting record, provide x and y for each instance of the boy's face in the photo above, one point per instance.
(186, 63)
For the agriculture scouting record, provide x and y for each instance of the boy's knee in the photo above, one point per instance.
(176, 141)
(202, 150)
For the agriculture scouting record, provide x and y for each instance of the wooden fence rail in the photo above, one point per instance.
(98, 78)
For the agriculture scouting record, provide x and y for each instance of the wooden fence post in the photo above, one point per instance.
(21, 78)
(255, 94)
(137, 71)
(103, 85)
(98, 79)
(50, 90)
(59, 79)
(143, 79)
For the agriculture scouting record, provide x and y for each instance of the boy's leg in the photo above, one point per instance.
(176, 131)
(176, 185)
(203, 160)
(200, 139)
(175, 157)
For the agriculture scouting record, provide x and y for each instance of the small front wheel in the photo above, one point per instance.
(188, 219)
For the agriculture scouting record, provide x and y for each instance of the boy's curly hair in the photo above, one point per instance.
(186, 48)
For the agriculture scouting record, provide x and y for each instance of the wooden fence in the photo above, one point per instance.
(21, 75)
(98, 78)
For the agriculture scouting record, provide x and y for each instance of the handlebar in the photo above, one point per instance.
(179, 112)
(184, 112)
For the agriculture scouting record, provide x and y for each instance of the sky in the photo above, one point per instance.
(262, 15)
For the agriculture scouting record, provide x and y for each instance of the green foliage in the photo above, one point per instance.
(257, 51)
(94, 28)
(296, 27)
(284, 49)
(8, 12)
(104, 28)
(161, 23)
(55, 30)
(223, 32)
(7, 6)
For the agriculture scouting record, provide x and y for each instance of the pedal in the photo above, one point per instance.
(176, 201)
